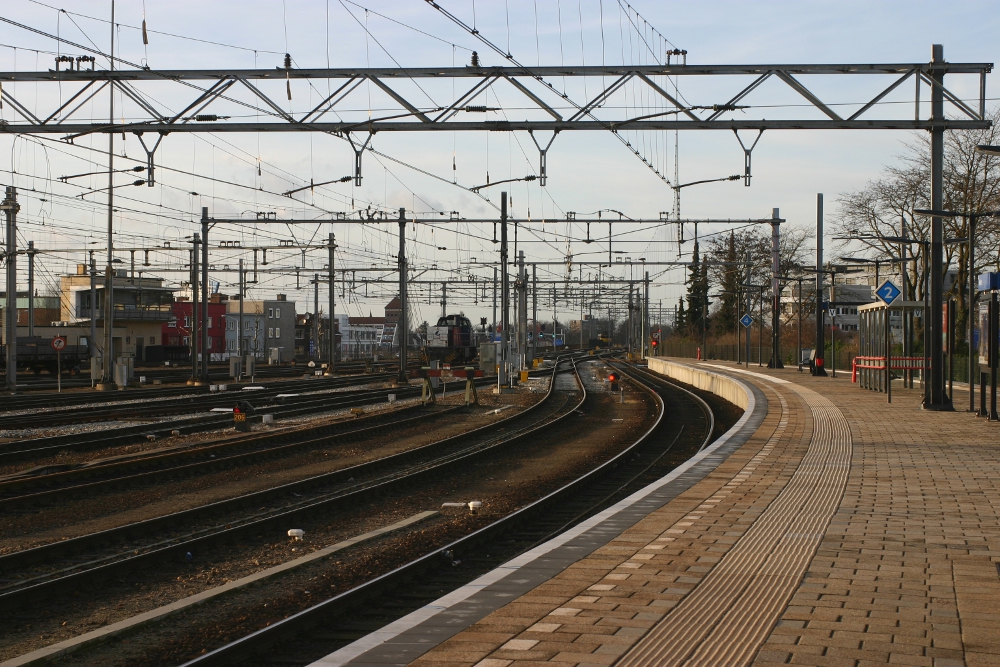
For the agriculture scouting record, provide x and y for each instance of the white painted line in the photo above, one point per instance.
(54, 651)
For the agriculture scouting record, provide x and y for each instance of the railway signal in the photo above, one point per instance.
(240, 422)
(59, 344)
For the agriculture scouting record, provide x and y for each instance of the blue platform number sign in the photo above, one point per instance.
(746, 320)
(888, 292)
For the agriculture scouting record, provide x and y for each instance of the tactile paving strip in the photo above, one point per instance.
(726, 618)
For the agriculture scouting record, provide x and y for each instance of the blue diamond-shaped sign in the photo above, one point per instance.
(746, 320)
(888, 292)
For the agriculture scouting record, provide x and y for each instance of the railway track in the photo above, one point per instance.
(54, 486)
(323, 628)
(291, 406)
(35, 397)
(29, 385)
(187, 402)
(59, 568)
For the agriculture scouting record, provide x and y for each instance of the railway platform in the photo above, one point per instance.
(825, 528)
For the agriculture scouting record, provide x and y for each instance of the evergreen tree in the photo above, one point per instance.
(680, 322)
(729, 308)
(697, 296)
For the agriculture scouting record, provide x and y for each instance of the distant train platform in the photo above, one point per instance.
(827, 527)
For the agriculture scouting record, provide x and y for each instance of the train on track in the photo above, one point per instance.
(452, 340)
(36, 354)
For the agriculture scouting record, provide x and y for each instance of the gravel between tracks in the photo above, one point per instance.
(505, 481)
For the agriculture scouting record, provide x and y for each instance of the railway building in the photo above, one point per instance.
(142, 306)
(268, 330)
(177, 330)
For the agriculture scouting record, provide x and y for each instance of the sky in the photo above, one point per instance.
(587, 172)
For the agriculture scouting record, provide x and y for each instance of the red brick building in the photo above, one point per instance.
(177, 330)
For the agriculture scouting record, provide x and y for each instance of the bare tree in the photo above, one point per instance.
(727, 259)
(884, 208)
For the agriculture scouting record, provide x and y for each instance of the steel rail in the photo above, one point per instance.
(172, 547)
(659, 379)
(183, 404)
(378, 588)
(41, 447)
(30, 489)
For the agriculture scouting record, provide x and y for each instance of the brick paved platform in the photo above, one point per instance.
(838, 531)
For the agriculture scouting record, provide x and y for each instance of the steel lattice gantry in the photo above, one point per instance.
(218, 98)
(211, 93)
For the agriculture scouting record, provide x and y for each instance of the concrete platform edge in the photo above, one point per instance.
(406, 639)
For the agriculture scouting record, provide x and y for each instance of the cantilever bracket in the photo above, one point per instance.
(542, 153)
(357, 155)
(746, 155)
(150, 180)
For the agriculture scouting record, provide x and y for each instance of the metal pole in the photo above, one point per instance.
(10, 207)
(493, 327)
(925, 384)
(331, 245)
(951, 349)
(504, 294)
(938, 400)
(775, 292)
(403, 324)
(193, 332)
(522, 311)
(749, 309)
(31, 289)
(888, 355)
(645, 317)
(315, 323)
(534, 311)
(107, 377)
(833, 343)
(704, 325)
(239, 330)
(994, 321)
(444, 299)
(971, 323)
(907, 321)
(739, 331)
(93, 309)
(630, 325)
(204, 295)
(818, 366)
(760, 330)
(799, 360)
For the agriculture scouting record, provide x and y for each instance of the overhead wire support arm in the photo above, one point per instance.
(357, 155)
(342, 179)
(542, 155)
(746, 154)
(477, 188)
(150, 166)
